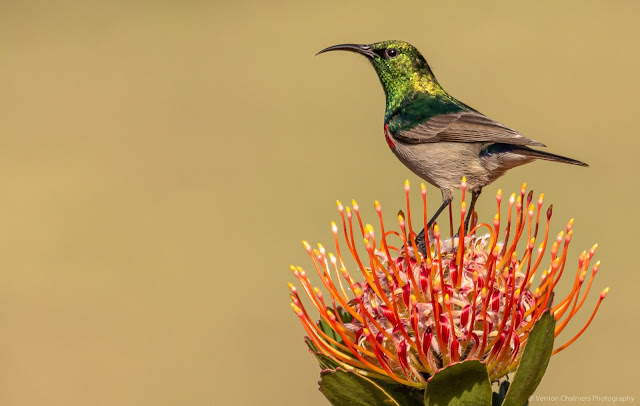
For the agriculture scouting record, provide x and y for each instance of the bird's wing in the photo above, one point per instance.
(463, 126)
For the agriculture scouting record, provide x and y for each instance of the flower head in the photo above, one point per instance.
(413, 312)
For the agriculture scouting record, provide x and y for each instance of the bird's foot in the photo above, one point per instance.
(421, 243)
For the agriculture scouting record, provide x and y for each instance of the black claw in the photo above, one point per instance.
(421, 243)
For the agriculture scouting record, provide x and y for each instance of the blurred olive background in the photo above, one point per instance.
(161, 162)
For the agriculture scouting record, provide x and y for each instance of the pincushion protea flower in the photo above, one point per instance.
(413, 313)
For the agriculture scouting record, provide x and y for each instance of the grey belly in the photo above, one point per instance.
(444, 164)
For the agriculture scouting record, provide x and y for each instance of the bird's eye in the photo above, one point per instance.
(392, 53)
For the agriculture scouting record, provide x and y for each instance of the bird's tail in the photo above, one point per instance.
(549, 156)
(534, 153)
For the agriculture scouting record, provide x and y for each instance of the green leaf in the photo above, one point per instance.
(324, 361)
(328, 330)
(461, 384)
(344, 315)
(534, 361)
(347, 388)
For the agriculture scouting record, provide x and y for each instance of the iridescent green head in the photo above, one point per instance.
(402, 70)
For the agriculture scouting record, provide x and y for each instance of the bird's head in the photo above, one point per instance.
(399, 65)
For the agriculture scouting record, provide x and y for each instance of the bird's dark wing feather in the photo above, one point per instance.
(463, 126)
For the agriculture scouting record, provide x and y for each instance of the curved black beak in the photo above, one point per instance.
(357, 48)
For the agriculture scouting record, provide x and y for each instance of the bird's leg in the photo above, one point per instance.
(445, 203)
(474, 196)
(420, 239)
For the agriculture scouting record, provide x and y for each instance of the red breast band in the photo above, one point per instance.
(387, 136)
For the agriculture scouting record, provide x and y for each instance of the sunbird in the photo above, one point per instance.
(437, 136)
